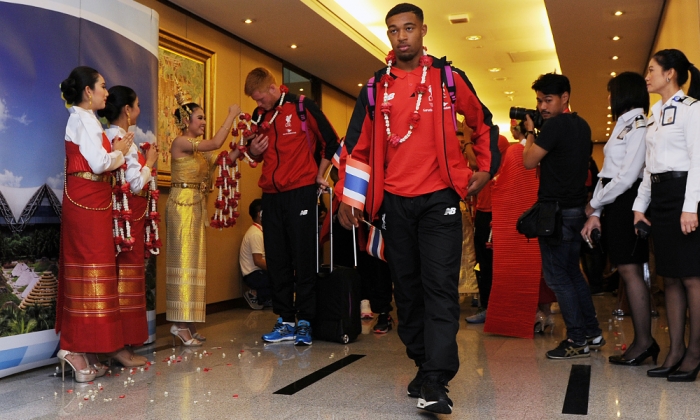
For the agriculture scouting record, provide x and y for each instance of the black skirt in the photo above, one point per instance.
(619, 239)
(677, 255)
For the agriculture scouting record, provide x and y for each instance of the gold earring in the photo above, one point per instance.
(128, 119)
(668, 80)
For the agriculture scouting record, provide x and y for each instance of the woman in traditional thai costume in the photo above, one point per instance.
(186, 218)
(87, 313)
(122, 110)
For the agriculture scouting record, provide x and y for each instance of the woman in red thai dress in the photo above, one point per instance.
(122, 111)
(87, 313)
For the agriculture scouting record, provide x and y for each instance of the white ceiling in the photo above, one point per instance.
(516, 37)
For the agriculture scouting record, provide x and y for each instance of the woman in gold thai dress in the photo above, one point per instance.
(186, 218)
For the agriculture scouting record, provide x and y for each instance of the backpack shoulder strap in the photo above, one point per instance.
(449, 81)
(301, 113)
(371, 97)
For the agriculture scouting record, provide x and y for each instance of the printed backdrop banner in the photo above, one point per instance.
(43, 40)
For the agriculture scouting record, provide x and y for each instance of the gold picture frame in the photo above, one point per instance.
(190, 65)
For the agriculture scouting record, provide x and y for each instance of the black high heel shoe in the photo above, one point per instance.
(663, 372)
(684, 376)
(653, 352)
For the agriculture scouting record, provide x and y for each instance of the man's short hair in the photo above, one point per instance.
(259, 79)
(405, 8)
(552, 84)
(255, 208)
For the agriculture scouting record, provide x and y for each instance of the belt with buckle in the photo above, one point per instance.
(93, 177)
(665, 176)
(202, 186)
(143, 193)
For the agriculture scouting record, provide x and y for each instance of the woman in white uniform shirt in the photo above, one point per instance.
(670, 191)
(613, 198)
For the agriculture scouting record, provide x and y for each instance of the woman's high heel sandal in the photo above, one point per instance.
(127, 359)
(199, 337)
(83, 375)
(192, 342)
(653, 352)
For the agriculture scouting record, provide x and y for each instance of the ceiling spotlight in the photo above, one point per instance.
(474, 38)
(248, 21)
(614, 57)
(608, 129)
(609, 122)
(608, 107)
(495, 69)
(618, 13)
(359, 84)
(293, 46)
(613, 74)
(616, 38)
(609, 115)
(301, 89)
(509, 92)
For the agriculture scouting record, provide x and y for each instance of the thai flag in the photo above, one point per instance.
(336, 157)
(375, 243)
(356, 183)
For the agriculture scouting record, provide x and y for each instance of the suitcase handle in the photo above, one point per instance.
(329, 190)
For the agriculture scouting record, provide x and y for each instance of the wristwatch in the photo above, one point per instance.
(530, 132)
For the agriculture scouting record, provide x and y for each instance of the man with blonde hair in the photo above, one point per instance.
(291, 174)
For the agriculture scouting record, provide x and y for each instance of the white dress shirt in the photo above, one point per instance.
(136, 175)
(673, 144)
(624, 159)
(85, 130)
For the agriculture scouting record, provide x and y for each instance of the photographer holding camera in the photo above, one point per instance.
(562, 150)
(614, 196)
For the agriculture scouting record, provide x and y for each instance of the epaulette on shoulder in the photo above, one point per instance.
(640, 121)
(688, 100)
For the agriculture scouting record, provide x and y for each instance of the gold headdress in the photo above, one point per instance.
(182, 98)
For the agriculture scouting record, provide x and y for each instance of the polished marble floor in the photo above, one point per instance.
(234, 376)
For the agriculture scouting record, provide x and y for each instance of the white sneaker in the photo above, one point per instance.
(365, 310)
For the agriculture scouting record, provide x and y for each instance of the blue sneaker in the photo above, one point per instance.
(280, 332)
(302, 334)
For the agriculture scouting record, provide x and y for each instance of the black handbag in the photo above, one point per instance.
(539, 220)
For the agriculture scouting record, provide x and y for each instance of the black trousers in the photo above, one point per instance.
(289, 222)
(484, 255)
(423, 246)
(374, 273)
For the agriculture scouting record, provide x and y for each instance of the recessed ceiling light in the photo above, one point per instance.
(509, 92)
(301, 89)
(609, 115)
(619, 13)
(613, 74)
(608, 107)
(608, 129)
(495, 69)
(609, 122)
(614, 57)
(293, 46)
(359, 84)
(616, 38)
(249, 21)
(473, 37)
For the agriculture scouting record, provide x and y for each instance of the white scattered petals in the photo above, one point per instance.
(199, 369)
(80, 405)
(166, 393)
(223, 355)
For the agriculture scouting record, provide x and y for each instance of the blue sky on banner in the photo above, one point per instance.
(38, 50)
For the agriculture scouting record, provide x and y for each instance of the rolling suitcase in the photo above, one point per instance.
(337, 296)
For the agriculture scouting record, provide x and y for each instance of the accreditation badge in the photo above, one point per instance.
(669, 115)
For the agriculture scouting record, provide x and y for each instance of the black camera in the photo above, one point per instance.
(643, 229)
(517, 113)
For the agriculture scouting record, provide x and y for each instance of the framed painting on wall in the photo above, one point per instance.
(184, 63)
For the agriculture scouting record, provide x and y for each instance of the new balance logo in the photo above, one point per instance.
(450, 211)
(304, 213)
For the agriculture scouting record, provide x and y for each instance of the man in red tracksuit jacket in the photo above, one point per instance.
(290, 178)
(408, 159)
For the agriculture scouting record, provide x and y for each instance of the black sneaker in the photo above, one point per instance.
(567, 349)
(433, 397)
(415, 385)
(384, 324)
(595, 342)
